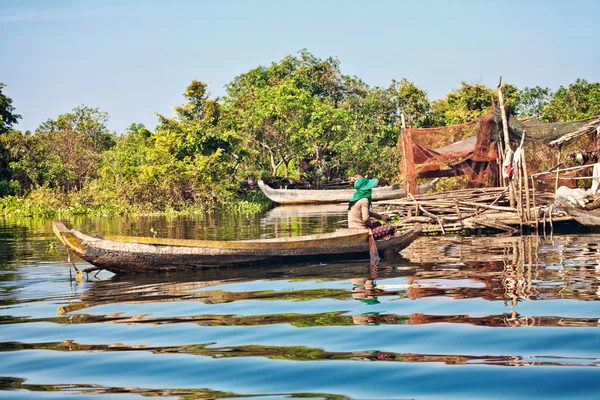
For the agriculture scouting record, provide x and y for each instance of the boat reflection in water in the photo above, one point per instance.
(496, 269)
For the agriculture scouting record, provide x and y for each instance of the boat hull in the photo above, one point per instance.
(122, 254)
(310, 196)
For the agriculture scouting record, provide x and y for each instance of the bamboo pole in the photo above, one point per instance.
(535, 210)
(519, 184)
(518, 173)
(410, 182)
(506, 137)
(525, 180)
(551, 224)
(500, 161)
(576, 178)
(458, 212)
(497, 208)
(551, 170)
(404, 155)
(558, 162)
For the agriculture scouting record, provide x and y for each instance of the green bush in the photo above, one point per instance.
(4, 188)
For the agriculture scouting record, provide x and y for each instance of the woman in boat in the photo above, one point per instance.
(359, 210)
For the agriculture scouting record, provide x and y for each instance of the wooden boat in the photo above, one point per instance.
(142, 254)
(589, 218)
(310, 196)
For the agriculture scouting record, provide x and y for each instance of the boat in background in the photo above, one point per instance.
(122, 254)
(316, 196)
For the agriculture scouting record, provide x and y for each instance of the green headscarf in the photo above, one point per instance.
(363, 188)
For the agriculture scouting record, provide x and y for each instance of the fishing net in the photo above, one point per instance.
(466, 149)
(471, 149)
(539, 131)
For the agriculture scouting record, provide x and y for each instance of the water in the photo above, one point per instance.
(457, 317)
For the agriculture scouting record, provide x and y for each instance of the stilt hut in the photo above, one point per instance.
(474, 149)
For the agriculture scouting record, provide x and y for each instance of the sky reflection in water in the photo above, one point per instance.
(452, 319)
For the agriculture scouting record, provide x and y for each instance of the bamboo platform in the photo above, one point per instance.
(475, 209)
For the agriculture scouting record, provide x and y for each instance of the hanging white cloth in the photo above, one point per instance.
(507, 168)
(517, 157)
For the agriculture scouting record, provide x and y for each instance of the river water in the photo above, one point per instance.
(492, 317)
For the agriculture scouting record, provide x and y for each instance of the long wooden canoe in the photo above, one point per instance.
(142, 254)
(310, 196)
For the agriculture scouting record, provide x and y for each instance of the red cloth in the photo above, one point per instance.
(383, 231)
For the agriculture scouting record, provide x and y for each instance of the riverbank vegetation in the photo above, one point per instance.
(299, 120)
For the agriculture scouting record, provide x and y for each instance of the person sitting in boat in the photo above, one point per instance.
(359, 210)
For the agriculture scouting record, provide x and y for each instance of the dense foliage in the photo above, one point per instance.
(7, 114)
(299, 119)
(580, 100)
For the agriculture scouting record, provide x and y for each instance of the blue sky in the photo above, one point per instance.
(132, 58)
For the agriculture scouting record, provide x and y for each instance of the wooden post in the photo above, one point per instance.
(410, 181)
(535, 210)
(500, 160)
(525, 179)
(520, 207)
(557, 163)
(506, 138)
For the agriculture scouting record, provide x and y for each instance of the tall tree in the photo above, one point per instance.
(580, 100)
(193, 129)
(413, 102)
(87, 122)
(7, 115)
(467, 103)
(63, 153)
(370, 144)
(533, 100)
(188, 159)
(511, 96)
(289, 113)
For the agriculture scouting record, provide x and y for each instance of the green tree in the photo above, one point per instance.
(370, 145)
(63, 153)
(289, 114)
(120, 169)
(467, 103)
(580, 100)
(188, 160)
(511, 96)
(194, 128)
(287, 123)
(30, 161)
(83, 121)
(413, 102)
(7, 115)
(533, 100)
(7, 119)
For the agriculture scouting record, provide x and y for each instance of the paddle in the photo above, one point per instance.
(373, 253)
